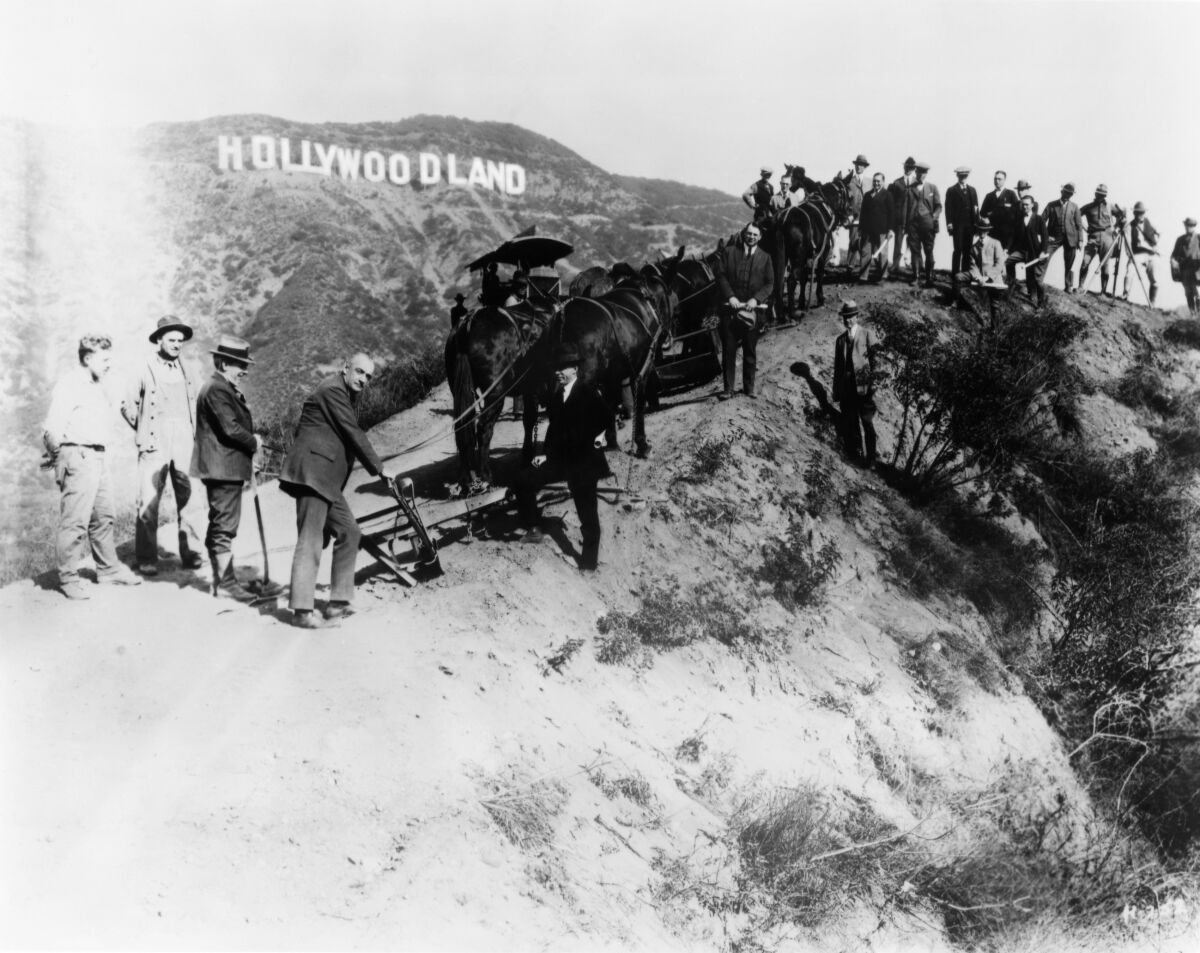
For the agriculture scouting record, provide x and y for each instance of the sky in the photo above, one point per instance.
(700, 92)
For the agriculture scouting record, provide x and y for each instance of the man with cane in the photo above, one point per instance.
(744, 280)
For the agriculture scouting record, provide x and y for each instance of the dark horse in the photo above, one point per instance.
(617, 336)
(489, 357)
(804, 239)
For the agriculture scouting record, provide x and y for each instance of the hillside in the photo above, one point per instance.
(110, 230)
(795, 710)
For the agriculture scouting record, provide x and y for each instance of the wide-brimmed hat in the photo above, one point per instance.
(1189, 222)
(861, 159)
(233, 349)
(1139, 207)
(910, 163)
(170, 323)
(565, 355)
(1102, 189)
(1069, 187)
(849, 309)
(963, 170)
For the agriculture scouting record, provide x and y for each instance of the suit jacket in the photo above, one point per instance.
(745, 276)
(878, 214)
(1064, 223)
(574, 425)
(1002, 211)
(1032, 238)
(328, 440)
(853, 363)
(901, 205)
(225, 444)
(962, 207)
(926, 206)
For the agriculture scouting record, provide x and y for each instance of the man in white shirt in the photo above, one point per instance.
(77, 433)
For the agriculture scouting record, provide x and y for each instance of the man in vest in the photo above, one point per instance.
(758, 196)
(1065, 227)
(962, 210)
(901, 210)
(1143, 242)
(923, 226)
(1185, 262)
(1100, 238)
(160, 406)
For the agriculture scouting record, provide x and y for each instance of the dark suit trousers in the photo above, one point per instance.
(224, 514)
(734, 333)
(317, 522)
(581, 481)
(963, 238)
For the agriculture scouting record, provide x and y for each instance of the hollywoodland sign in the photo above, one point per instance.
(235, 154)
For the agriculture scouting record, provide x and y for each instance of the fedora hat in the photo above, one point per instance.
(565, 355)
(170, 323)
(233, 349)
(849, 309)
(861, 159)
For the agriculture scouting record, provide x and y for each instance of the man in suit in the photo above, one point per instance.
(923, 226)
(160, 406)
(985, 271)
(962, 210)
(745, 280)
(1100, 238)
(328, 440)
(901, 210)
(223, 458)
(1143, 242)
(1185, 262)
(1030, 246)
(853, 384)
(1001, 207)
(578, 416)
(875, 226)
(1065, 227)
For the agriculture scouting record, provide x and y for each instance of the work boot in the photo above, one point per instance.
(188, 558)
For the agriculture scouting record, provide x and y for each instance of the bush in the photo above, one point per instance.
(797, 571)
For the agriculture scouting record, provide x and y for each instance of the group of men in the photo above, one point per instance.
(184, 432)
(910, 207)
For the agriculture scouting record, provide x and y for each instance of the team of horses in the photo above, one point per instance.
(618, 320)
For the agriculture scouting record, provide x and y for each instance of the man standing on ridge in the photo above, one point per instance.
(328, 441)
(758, 196)
(1065, 227)
(161, 408)
(962, 211)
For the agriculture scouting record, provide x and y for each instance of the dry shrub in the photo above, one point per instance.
(525, 812)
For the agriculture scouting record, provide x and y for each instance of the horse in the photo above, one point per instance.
(804, 240)
(617, 336)
(591, 283)
(490, 355)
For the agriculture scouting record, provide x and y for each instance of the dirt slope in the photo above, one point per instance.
(183, 774)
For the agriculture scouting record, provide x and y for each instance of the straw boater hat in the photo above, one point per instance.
(170, 323)
(233, 349)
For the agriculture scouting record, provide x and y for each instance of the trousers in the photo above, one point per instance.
(85, 513)
(318, 521)
(736, 333)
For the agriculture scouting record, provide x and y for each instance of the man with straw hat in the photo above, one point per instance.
(223, 459)
(160, 406)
